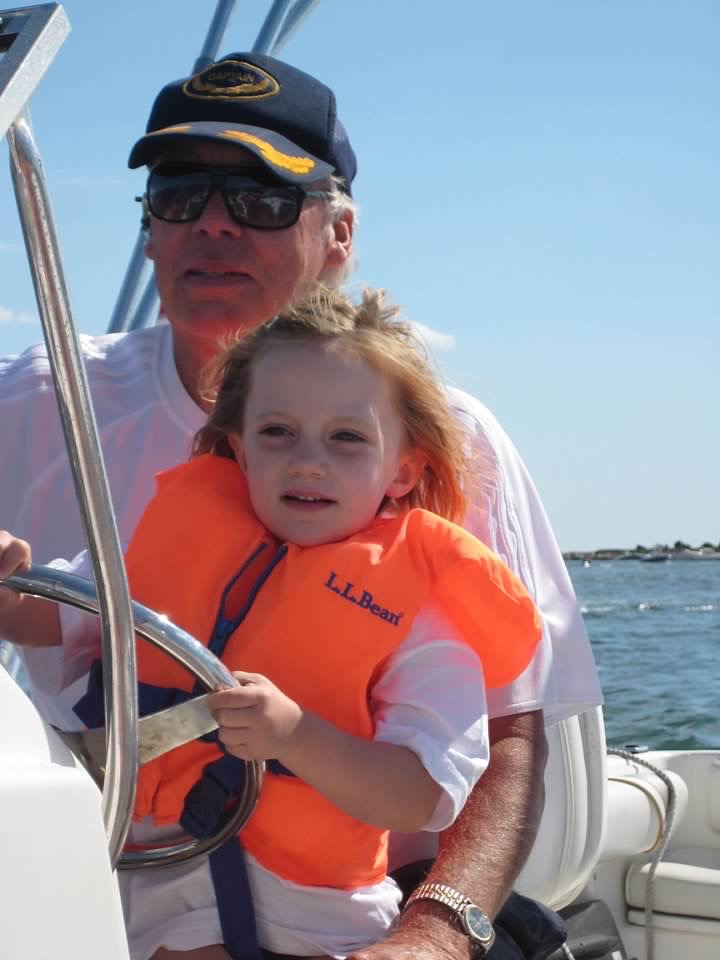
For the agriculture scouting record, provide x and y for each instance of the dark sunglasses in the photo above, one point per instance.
(178, 193)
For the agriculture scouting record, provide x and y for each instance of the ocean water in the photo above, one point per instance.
(655, 633)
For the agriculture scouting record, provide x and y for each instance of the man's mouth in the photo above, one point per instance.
(194, 273)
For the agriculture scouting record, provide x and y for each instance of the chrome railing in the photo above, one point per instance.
(83, 445)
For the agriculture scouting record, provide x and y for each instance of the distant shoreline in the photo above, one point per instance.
(660, 552)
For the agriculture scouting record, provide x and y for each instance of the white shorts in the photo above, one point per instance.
(174, 907)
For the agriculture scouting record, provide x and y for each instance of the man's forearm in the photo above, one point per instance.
(483, 852)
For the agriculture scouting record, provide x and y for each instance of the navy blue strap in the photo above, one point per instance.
(91, 710)
(206, 801)
(203, 810)
(234, 901)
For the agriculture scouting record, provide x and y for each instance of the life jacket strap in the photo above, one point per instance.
(234, 901)
(204, 807)
(90, 708)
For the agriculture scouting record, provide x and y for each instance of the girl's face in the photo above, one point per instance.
(322, 444)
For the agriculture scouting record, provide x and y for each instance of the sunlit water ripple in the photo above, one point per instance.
(655, 632)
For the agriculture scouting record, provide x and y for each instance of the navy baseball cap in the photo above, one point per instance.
(287, 118)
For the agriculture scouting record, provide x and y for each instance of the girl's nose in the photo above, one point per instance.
(309, 462)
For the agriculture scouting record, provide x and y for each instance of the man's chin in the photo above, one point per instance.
(220, 319)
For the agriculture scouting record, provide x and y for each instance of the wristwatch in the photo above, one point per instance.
(471, 918)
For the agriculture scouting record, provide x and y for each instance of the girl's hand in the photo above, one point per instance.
(256, 720)
(15, 557)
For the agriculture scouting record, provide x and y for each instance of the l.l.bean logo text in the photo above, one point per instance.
(362, 598)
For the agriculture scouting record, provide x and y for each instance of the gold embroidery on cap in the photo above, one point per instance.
(231, 80)
(178, 128)
(298, 165)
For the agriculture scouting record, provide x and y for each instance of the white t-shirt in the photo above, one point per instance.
(146, 422)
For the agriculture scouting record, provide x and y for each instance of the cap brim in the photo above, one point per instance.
(279, 155)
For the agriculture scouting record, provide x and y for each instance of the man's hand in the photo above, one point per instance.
(430, 935)
(256, 720)
(29, 621)
(15, 557)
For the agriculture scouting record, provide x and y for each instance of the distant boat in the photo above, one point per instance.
(702, 554)
(655, 557)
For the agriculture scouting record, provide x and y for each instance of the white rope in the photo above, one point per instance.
(659, 851)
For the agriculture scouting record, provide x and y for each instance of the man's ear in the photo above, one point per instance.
(340, 247)
(238, 448)
(410, 468)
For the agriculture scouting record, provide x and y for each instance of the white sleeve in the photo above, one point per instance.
(146, 421)
(58, 668)
(431, 699)
(506, 514)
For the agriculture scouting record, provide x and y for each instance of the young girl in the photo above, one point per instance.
(309, 543)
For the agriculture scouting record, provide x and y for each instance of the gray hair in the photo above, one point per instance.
(338, 204)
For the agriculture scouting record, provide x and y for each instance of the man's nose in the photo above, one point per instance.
(215, 219)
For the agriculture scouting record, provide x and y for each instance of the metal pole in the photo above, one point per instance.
(34, 35)
(81, 437)
(292, 23)
(215, 33)
(128, 291)
(270, 26)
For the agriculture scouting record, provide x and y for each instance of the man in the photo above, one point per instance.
(249, 206)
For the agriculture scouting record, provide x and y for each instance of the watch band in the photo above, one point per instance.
(473, 921)
(442, 893)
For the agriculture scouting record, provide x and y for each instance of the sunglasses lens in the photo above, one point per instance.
(178, 198)
(264, 208)
(179, 194)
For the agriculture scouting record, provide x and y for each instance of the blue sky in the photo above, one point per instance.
(539, 184)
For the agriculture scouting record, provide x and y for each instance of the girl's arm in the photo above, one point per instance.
(28, 621)
(379, 783)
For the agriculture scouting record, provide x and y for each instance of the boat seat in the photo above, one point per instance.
(637, 809)
(686, 886)
(573, 824)
(681, 889)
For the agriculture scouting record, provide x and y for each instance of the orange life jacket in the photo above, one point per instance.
(320, 622)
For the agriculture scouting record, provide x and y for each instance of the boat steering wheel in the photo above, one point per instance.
(67, 589)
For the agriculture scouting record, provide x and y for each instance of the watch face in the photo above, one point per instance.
(477, 924)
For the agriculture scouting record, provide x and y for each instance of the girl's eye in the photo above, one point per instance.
(348, 436)
(274, 430)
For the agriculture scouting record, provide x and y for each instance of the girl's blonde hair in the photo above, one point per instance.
(370, 331)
